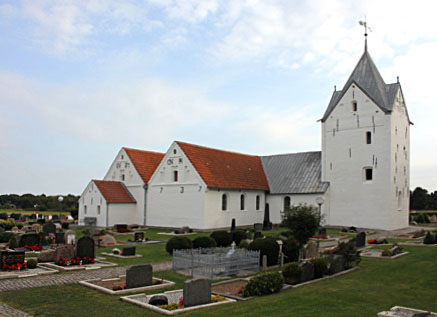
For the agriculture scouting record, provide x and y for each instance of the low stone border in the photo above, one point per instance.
(176, 234)
(39, 270)
(95, 266)
(325, 277)
(406, 311)
(377, 254)
(144, 242)
(122, 256)
(165, 283)
(134, 299)
(230, 295)
(414, 243)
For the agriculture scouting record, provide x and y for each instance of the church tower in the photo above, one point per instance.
(366, 152)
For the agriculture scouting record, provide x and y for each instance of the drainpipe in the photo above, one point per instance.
(145, 202)
(107, 215)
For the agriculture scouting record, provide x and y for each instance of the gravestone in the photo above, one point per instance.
(310, 250)
(47, 256)
(55, 217)
(33, 216)
(139, 236)
(11, 257)
(59, 238)
(129, 251)
(86, 247)
(257, 235)
(70, 237)
(336, 263)
(29, 239)
(139, 276)
(158, 300)
(107, 240)
(120, 226)
(15, 229)
(433, 218)
(361, 239)
(41, 221)
(64, 251)
(36, 227)
(30, 230)
(49, 228)
(248, 235)
(197, 292)
(233, 224)
(307, 271)
(258, 227)
(267, 224)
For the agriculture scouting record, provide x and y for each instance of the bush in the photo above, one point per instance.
(74, 213)
(178, 243)
(350, 253)
(320, 267)
(86, 232)
(15, 216)
(267, 246)
(19, 225)
(204, 242)
(243, 244)
(4, 216)
(290, 248)
(13, 243)
(263, 284)
(238, 235)
(7, 225)
(5, 236)
(429, 238)
(31, 263)
(422, 218)
(222, 238)
(292, 273)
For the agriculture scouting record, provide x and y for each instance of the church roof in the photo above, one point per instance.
(367, 77)
(223, 169)
(114, 192)
(145, 162)
(295, 173)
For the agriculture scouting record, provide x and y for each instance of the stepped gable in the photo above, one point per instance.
(114, 192)
(145, 162)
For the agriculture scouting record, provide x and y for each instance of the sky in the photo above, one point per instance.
(81, 79)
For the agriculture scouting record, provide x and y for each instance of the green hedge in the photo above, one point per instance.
(320, 267)
(178, 243)
(238, 235)
(292, 273)
(266, 246)
(222, 238)
(263, 284)
(204, 242)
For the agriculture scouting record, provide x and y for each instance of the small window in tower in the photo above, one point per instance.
(257, 202)
(122, 157)
(174, 151)
(98, 210)
(368, 174)
(224, 202)
(369, 137)
(354, 106)
(287, 202)
(122, 177)
(175, 176)
(84, 209)
(242, 201)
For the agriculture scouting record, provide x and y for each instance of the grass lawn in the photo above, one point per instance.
(29, 212)
(379, 284)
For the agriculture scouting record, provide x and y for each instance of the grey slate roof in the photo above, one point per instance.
(367, 77)
(295, 173)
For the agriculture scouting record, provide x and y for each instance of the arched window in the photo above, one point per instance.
(224, 202)
(257, 202)
(287, 202)
(175, 176)
(242, 201)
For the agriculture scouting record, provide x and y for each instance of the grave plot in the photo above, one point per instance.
(14, 265)
(232, 288)
(196, 294)
(125, 253)
(139, 238)
(138, 278)
(392, 253)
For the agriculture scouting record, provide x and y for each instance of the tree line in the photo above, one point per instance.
(38, 202)
(420, 199)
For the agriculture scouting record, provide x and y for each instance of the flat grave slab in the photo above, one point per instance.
(39, 270)
(173, 297)
(376, 253)
(122, 256)
(144, 242)
(232, 288)
(98, 264)
(176, 234)
(107, 285)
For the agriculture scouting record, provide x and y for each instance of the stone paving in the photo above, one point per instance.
(6, 310)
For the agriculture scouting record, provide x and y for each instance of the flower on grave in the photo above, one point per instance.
(181, 301)
(240, 290)
(14, 267)
(121, 252)
(371, 241)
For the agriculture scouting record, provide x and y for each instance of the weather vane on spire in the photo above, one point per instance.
(364, 23)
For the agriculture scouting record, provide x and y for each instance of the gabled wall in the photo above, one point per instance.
(92, 199)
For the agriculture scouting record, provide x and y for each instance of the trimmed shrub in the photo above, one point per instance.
(263, 284)
(238, 235)
(5, 236)
(422, 218)
(267, 246)
(31, 263)
(292, 273)
(19, 225)
(4, 216)
(204, 242)
(178, 243)
(290, 248)
(7, 225)
(13, 243)
(243, 244)
(350, 253)
(222, 238)
(320, 267)
(15, 216)
(429, 238)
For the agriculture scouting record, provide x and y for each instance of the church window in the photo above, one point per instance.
(175, 176)
(354, 106)
(91, 201)
(287, 202)
(396, 131)
(257, 202)
(180, 160)
(350, 152)
(242, 202)
(122, 177)
(369, 137)
(224, 202)
(338, 124)
(84, 209)
(182, 190)
(174, 151)
(368, 173)
(396, 157)
(98, 210)
(122, 157)
(406, 132)
(405, 171)
(399, 201)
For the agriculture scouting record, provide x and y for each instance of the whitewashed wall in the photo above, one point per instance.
(353, 201)
(92, 198)
(276, 203)
(216, 218)
(122, 214)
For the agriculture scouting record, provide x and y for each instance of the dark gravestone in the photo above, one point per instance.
(248, 235)
(33, 216)
(86, 247)
(139, 236)
(139, 276)
(233, 224)
(64, 251)
(336, 264)
(128, 251)
(120, 226)
(267, 225)
(49, 228)
(258, 227)
(158, 300)
(59, 237)
(257, 235)
(29, 239)
(11, 257)
(197, 292)
(47, 256)
(41, 221)
(55, 217)
(307, 271)
(361, 240)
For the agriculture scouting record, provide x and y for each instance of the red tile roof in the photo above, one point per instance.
(222, 169)
(145, 162)
(114, 192)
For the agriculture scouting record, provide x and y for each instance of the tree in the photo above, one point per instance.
(303, 221)
(419, 199)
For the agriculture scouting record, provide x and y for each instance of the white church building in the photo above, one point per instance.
(362, 172)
